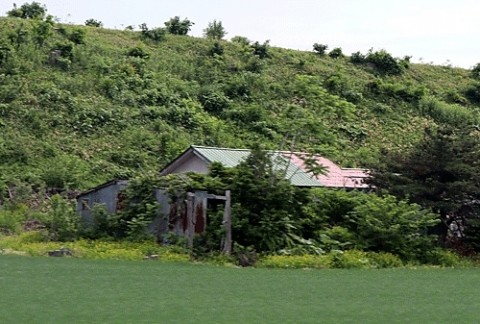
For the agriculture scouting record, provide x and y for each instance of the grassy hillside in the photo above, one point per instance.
(81, 105)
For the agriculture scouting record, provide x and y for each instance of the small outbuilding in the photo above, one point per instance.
(108, 194)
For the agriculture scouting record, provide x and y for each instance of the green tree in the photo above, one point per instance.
(265, 204)
(175, 26)
(442, 173)
(32, 10)
(320, 49)
(214, 30)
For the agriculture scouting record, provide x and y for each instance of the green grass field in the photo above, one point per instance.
(49, 290)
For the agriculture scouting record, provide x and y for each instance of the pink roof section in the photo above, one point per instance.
(334, 176)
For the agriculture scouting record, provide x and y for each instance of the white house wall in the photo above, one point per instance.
(193, 164)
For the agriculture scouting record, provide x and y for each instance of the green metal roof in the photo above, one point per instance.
(232, 157)
(228, 157)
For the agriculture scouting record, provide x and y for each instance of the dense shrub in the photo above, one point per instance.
(382, 61)
(93, 23)
(156, 34)
(216, 49)
(12, 218)
(357, 58)
(475, 72)
(261, 50)
(368, 222)
(441, 257)
(175, 26)
(393, 90)
(446, 113)
(320, 49)
(473, 93)
(213, 100)
(138, 52)
(336, 53)
(61, 221)
(383, 224)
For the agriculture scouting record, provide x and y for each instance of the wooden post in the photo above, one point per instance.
(190, 228)
(227, 224)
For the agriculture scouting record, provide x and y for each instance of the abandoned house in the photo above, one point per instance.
(190, 216)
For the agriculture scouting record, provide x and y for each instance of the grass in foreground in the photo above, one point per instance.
(41, 290)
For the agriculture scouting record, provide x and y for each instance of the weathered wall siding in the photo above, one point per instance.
(194, 164)
(200, 211)
(106, 196)
(160, 224)
(172, 216)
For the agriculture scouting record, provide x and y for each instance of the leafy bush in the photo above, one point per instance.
(261, 50)
(11, 219)
(402, 91)
(216, 49)
(384, 260)
(441, 257)
(383, 62)
(446, 113)
(156, 34)
(475, 72)
(367, 222)
(138, 52)
(102, 225)
(336, 53)
(77, 36)
(62, 220)
(357, 58)
(383, 224)
(175, 26)
(240, 40)
(213, 100)
(473, 93)
(93, 23)
(352, 259)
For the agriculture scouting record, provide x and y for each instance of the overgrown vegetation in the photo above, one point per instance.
(82, 105)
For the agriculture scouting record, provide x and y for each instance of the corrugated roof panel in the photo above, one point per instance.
(232, 157)
(228, 157)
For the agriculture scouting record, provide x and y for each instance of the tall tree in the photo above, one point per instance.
(442, 173)
(214, 30)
